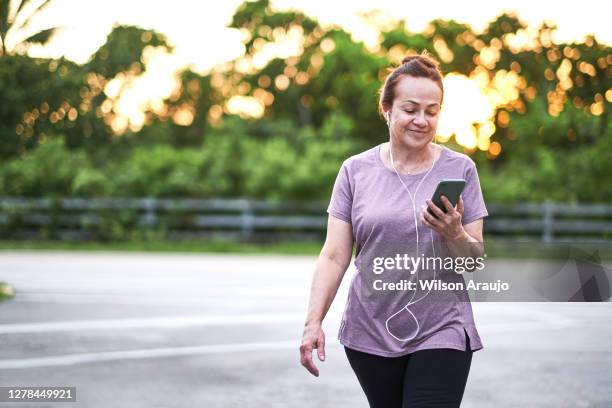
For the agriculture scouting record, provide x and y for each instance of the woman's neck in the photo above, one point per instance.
(411, 160)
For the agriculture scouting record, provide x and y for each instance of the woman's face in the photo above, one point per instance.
(415, 111)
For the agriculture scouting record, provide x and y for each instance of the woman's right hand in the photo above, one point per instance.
(332, 263)
(313, 338)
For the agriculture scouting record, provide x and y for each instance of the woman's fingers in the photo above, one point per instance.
(460, 205)
(435, 215)
(314, 338)
(321, 347)
(445, 223)
(446, 202)
(432, 221)
(435, 209)
(427, 223)
(306, 359)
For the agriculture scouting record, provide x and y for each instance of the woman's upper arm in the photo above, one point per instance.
(338, 245)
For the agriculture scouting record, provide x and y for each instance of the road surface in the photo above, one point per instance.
(187, 330)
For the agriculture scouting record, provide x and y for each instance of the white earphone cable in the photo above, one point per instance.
(412, 199)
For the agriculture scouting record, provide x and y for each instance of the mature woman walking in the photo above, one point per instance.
(414, 353)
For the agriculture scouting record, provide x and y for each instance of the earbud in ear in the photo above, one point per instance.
(388, 115)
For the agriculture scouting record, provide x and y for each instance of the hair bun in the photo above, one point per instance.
(409, 58)
(423, 58)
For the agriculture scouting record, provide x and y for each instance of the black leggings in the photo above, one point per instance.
(425, 378)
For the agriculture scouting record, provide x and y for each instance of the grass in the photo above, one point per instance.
(298, 248)
(494, 248)
(499, 248)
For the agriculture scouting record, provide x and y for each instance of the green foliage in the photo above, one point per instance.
(160, 171)
(303, 170)
(42, 97)
(27, 86)
(123, 50)
(233, 162)
(556, 173)
(50, 169)
(90, 182)
(55, 116)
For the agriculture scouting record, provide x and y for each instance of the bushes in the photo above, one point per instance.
(552, 174)
(159, 171)
(280, 161)
(90, 182)
(290, 163)
(50, 169)
(303, 170)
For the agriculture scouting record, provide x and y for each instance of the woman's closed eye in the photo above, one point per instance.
(429, 113)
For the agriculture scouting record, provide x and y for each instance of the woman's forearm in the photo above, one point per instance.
(325, 282)
(466, 246)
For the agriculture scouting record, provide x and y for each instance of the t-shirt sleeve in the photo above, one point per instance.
(473, 202)
(341, 201)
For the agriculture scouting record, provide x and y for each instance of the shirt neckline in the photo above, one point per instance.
(408, 176)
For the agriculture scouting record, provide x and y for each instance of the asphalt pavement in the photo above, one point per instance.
(202, 330)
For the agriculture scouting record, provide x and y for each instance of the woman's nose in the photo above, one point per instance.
(420, 120)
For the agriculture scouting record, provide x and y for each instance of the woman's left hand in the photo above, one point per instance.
(447, 224)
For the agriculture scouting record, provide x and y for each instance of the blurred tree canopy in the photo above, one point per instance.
(551, 139)
(42, 97)
(15, 19)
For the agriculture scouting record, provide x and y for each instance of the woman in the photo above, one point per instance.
(414, 353)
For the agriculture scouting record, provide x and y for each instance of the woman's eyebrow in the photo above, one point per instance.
(416, 103)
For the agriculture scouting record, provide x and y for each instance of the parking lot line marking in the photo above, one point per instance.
(166, 322)
(84, 358)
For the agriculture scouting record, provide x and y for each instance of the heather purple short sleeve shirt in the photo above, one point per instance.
(372, 199)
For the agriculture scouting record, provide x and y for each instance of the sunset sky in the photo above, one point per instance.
(198, 32)
(201, 38)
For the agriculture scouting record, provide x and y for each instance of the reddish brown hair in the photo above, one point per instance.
(415, 65)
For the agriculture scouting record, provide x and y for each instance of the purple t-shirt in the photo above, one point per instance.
(372, 199)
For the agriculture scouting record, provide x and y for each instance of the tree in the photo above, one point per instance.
(45, 97)
(15, 23)
(333, 74)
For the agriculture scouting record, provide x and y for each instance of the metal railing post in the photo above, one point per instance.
(547, 222)
(248, 220)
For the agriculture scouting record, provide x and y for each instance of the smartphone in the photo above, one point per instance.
(451, 188)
